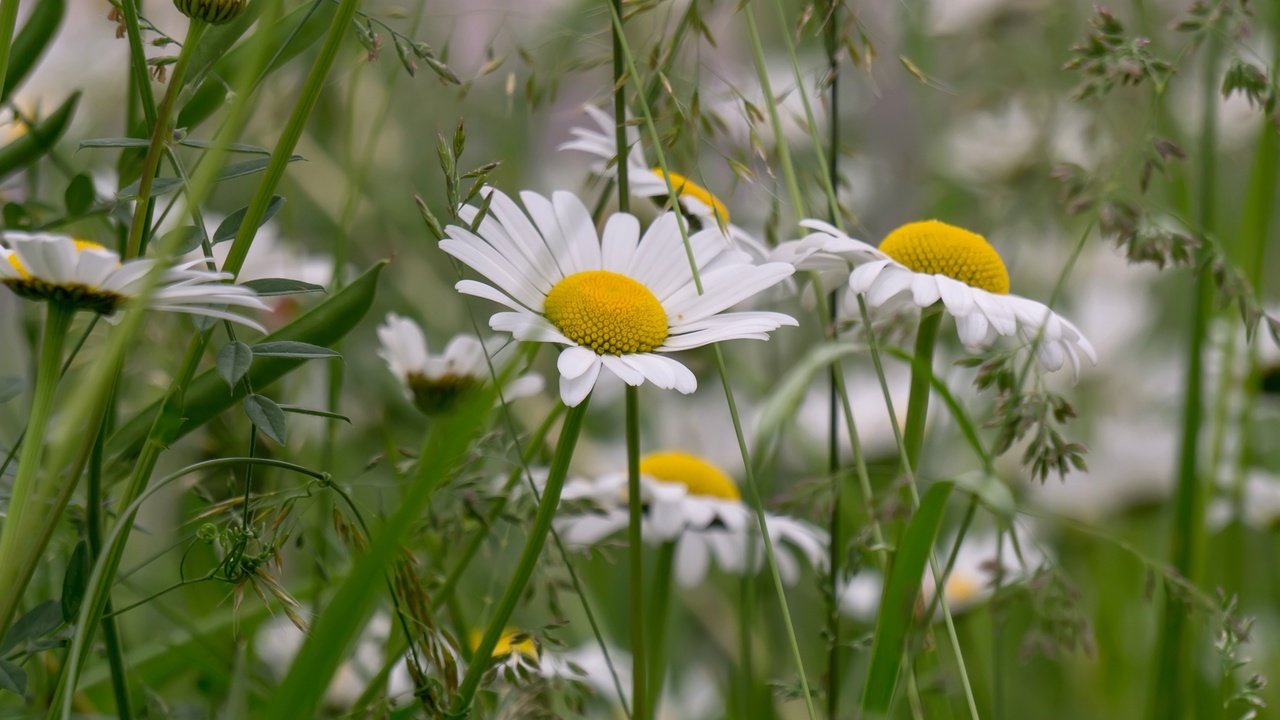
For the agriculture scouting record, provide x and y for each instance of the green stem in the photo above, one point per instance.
(528, 559)
(138, 61)
(338, 31)
(921, 375)
(659, 606)
(161, 133)
(93, 536)
(8, 21)
(17, 563)
(620, 115)
(784, 153)
(635, 557)
(837, 540)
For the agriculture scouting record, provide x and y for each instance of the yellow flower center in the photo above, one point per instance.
(505, 646)
(696, 474)
(686, 188)
(938, 248)
(962, 588)
(607, 312)
(81, 246)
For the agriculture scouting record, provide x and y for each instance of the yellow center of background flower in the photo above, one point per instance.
(525, 647)
(938, 248)
(686, 188)
(81, 246)
(607, 312)
(962, 588)
(691, 471)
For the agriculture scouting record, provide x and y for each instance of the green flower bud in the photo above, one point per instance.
(214, 12)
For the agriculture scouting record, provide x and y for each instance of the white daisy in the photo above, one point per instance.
(620, 303)
(702, 208)
(87, 276)
(691, 502)
(924, 263)
(435, 383)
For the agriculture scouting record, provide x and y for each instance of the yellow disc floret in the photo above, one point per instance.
(938, 248)
(696, 474)
(607, 312)
(686, 188)
(525, 646)
(81, 246)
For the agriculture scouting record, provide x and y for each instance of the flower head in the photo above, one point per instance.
(214, 12)
(696, 505)
(87, 276)
(928, 262)
(621, 302)
(435, 383)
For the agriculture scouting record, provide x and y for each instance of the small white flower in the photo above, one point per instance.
(701, 207)
(621, 302)
(87, 276)
(930, 262)
(435, 382)
(694, 504)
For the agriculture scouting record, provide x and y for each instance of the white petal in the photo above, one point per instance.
(621, 237)
(579, 230)
(864, 275)
(575, 361)
(957, 296)
(691, 561)
(924, 290)
(574, 390)
(625, 372)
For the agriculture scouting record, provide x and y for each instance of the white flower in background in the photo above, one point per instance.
(991, 144)
(1259, 503)
(981, 561)
(694, 504)
(692, 695)
(738, 101)
(435, 383)
(929, 262)
(620, 302)
(87, 276)
(870, 415)
(951, 17)
(270, 256)
(278, 642)
(703, 209)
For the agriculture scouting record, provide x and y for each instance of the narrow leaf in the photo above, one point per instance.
(293, 349)
(10, 388)
(79, 196)
(233, 361)
(299, 410)
(228, 228)
(73, 583)
(188, 239)
(38, 622)
(268, 287)
(267, 416)
(12, 677)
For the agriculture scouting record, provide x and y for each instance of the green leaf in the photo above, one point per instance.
(231, 147)
(115, 142)
(10, 388)
(206, 397)
(293, 349)
(188, 239)
(299, 410)
(267, 416)
(228, 228)
(233, 361)
(269, 287)
(79, 196)
(12, 677)
(781, 404)
(165, 185)
(897, 604)
(38, 622)
(38, 139)
(31, 41)
(74, 582)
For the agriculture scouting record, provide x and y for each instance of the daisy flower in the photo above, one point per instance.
(87, 276)
(701, 207)
(924, 263)
(435, 383)
(622, 302)
(694, 504)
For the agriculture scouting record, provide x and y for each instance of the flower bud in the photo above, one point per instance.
(214, 12)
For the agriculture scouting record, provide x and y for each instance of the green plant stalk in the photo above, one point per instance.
(8, 22)
(16, 567)
(656, 624)
(1173, 695)
(93, 537)
(559, 470)
(762, 73)
(635, 558)
(283, 150)
(838, 533)
(161, 133)
(918, 399)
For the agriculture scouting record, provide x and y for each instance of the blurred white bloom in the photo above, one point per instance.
(694, 504)
(270, 256)
(692, 695)
(436, 382)
(1259, 503)
(870, 415)
(994, 144)
(618, 301)
(703, 209)
(738, 100)
(980, 562)
(951, 17)
(87, 276)
(278, 642)
(924, 263)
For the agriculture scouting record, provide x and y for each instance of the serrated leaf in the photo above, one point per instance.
(10, 388)
(228, 228)
(268, 287)
(37, 622)
(12, 677)
(79, 196)
(267, 416)
(74, 582)
(185, 239)
(233, 361)
(293, 349)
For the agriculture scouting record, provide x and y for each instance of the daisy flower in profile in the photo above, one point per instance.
(697, 506)
(702, 208)
(87, 276)
(621, 302)
(516, 653)
(929, 262)
(435, 383)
